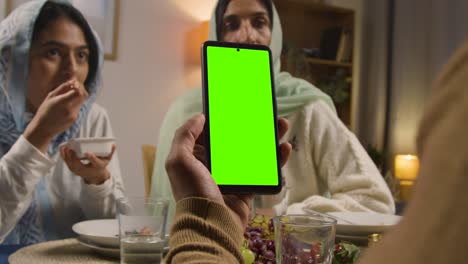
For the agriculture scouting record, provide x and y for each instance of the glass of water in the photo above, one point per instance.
(304, 238)
(142, 228)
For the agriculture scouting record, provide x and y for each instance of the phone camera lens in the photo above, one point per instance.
(238, 49)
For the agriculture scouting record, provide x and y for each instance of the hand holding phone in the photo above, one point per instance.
(241, 122)
(189, 176)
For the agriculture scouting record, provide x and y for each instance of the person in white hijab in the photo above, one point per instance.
(50, 68)
(328, 169)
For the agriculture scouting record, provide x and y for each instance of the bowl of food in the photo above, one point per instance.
(101, 146)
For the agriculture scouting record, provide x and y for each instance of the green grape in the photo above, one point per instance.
(248, 255)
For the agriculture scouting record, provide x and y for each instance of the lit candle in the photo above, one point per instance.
(406, 167)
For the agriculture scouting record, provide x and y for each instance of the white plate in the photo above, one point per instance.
(363, 223)
(103, 232)
(108, 252)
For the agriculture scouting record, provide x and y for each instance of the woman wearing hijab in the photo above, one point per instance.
(328, 169)
(50, 64)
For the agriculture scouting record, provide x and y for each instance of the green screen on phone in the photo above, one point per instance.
(243, 147)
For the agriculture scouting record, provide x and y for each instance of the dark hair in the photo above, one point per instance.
(221, 9)
(51, 11)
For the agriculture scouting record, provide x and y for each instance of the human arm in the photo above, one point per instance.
(27, 162)
(21, 168)
(98, 200)
(57, 112)
(94, 171)
(204, 231)
(190, 181)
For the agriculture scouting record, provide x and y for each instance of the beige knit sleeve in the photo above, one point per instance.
(204, 232)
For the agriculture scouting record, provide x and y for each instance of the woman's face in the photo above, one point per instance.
(246, 21)
(59, 53)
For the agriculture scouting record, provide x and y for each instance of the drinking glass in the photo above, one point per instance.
(142, 228)
(304, 238)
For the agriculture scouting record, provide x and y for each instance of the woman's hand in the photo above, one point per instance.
(94, 172)
(190, 177)
(58, 111)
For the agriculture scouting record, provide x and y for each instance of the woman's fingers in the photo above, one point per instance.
(70, 91)
(283, 126)
(72, 160)
(95, 161)
(62, 88)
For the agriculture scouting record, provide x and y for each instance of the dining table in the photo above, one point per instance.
(73, 250)
(65, 251)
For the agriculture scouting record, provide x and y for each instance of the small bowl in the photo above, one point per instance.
(101, 147)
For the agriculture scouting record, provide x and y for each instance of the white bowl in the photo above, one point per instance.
(101, 147)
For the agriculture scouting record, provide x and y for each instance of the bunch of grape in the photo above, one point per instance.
(259, 245)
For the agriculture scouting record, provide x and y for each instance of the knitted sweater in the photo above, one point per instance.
(204, 232)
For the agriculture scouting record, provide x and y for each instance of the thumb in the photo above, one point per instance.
(186, 136)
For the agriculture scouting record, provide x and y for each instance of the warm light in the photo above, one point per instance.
(406, 189)
(194, 39)
(406, 167)
(199, 9)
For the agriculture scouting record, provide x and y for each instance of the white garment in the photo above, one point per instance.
(71, 199)
(328, 169)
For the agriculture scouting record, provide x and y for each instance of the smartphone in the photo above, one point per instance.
(241, 129)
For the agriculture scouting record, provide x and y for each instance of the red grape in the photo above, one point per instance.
(270, 245)
(258, 243)
(268, 254)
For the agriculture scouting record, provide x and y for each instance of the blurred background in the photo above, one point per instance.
(387, 54)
